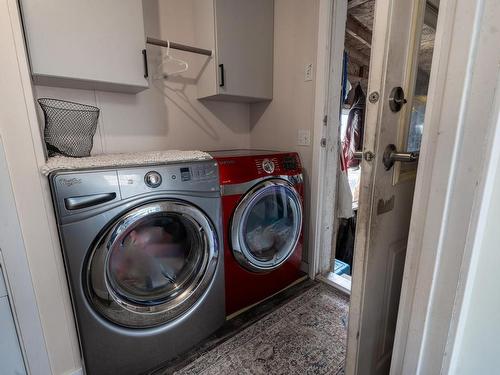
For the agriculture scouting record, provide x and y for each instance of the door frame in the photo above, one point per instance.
(326, 144)
(446, 186)
(460, 121)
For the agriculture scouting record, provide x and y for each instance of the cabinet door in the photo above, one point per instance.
(244, 42)
(92, 44)
(3, 288)
(11, 359)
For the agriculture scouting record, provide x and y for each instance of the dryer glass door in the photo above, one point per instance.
(152, 264)
(267, 225)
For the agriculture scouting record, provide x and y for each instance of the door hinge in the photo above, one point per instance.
(322, 142)
(325, 120)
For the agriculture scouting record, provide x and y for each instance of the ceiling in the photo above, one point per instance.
(359, 29)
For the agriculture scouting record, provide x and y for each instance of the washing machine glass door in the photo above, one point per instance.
(266, 225)
(152, 264)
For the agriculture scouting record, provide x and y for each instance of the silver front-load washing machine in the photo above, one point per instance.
(143, 255)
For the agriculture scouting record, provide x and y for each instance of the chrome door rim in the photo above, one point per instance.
(133, 314)
(240, 250)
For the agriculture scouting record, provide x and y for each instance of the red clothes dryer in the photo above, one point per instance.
(262, 202)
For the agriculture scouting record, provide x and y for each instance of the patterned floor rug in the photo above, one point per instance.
(305, 336)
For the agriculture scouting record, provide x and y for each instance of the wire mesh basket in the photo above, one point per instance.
(69, 127)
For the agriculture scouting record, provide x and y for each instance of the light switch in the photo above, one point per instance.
(304, 137)
(308, 72)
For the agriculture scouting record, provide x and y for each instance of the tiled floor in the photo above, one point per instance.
(305, 335)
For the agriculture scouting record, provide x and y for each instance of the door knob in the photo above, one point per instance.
(391, 155)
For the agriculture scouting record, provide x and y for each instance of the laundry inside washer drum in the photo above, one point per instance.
(155, 259)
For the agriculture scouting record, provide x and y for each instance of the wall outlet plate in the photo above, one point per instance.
(304, 137)
(308, 72)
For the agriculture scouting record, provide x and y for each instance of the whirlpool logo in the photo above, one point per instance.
(227, 162)
(68, 182)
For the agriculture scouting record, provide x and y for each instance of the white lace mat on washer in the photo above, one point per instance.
(58, 163)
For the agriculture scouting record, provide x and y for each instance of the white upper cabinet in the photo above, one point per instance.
(241, 32)
(91, 44)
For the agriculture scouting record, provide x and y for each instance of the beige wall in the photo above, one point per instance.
(167, 115)
(275, 125)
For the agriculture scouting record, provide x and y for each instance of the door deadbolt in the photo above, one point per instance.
(391, 156)
(397, 99)
(367, 155)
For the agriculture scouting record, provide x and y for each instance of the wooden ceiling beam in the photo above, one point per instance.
(355, 79)
(359, 31)
(355, 3)
(431, 15)
(358, 57)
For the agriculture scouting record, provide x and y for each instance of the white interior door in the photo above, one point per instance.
(385, 198)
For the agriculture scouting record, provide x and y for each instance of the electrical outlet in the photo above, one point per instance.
(304, 137)
(308, 72)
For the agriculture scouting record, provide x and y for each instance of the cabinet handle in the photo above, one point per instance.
(221, 79)
(145, 58)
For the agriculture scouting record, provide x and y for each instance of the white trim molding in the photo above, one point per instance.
(50, 339)
(17, 274)
(474, 330)
(331, 34)
(452, 169)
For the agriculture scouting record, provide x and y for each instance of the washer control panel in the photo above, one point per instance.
(196, 176)
(81, 191)
(152, 179)
(200, 172)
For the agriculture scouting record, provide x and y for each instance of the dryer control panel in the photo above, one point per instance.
(237, 168)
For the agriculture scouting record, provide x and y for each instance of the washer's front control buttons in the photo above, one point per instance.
(152, 179)
(268, 166)
(185, 174)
